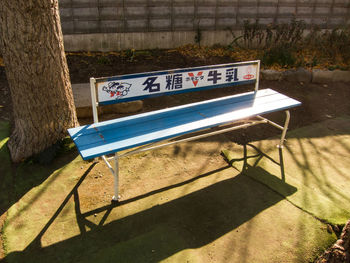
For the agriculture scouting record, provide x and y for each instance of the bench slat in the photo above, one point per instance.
(174, 117)
(124, 133)
(164, 113)
(135, 126)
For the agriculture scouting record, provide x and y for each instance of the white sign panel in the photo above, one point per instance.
(138, 86)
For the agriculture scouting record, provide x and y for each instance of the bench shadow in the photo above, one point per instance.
(154, 234)
(241, 163)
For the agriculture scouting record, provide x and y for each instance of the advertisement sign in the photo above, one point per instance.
(138, 86)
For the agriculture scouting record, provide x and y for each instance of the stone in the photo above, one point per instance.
(322, 76)
(86, 112)
(299, 75)
(82, 95)
(341, 75)
(270, 74)
(123, 107)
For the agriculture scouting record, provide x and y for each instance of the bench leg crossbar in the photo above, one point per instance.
(246, 123)
(283, 128)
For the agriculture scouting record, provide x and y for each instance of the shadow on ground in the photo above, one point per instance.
(199, 217)
(315, 159)
(191, 221)
(17, 180)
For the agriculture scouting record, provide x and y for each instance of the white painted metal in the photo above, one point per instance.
(208, 134)
(94, 102)
(116, 196)
(257, 76)
(271, 122)
(286, 123)
(152, 146)
(247, 123)
(284, 128)
(110, 158)
(143, 149)
(108, 164)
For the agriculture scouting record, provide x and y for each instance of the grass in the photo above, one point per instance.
(17, 180)
(58, 214)
(316, 165)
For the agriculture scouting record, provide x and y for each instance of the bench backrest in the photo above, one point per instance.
(110, 90)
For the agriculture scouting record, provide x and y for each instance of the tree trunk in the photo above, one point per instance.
(31, 42)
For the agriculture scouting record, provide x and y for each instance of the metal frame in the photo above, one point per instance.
(94, 101)
(283, 128)
(164, 143)
(152, 146)
(257, 76)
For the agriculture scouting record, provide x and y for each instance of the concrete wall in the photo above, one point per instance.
(141, 40)
(122, 24)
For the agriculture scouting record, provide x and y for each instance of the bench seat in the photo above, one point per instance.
(124, 133)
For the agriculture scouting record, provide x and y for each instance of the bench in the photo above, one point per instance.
(161, 128)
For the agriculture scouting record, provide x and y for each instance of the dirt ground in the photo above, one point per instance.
(319, 102)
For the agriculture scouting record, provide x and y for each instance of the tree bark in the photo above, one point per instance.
(31, 42)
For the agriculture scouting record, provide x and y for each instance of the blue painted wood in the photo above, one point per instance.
(169, 112)
(124, 133)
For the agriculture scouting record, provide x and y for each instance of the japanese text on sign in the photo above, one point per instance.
(142, 85)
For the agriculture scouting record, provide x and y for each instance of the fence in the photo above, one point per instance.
(132, 16)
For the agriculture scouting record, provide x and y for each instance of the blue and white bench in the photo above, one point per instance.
(160, 128)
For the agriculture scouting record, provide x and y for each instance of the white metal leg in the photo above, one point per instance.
(94, 102)
(286, 123)
(115, 170)
(108, 164)
(116, 196)
(115, 173)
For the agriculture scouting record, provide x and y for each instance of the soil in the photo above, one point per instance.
(319, 101)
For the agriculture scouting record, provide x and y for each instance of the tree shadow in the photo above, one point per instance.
(17, 179)
(154, 234)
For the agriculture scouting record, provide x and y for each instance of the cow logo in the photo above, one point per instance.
(248, 75)
(117, 90)
(194, 78)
